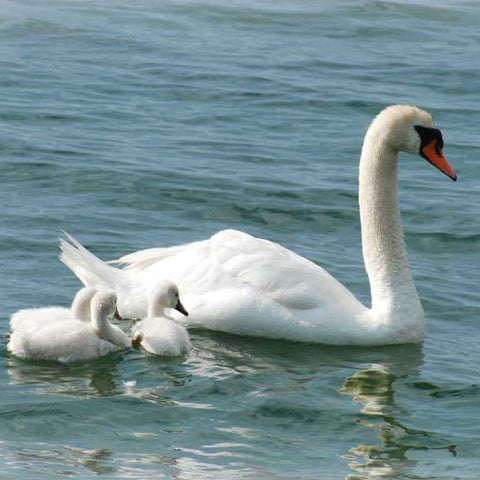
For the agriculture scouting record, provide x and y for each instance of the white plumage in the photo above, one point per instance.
(65, 337)
(33, 317)
(237, 283)
(159, 334)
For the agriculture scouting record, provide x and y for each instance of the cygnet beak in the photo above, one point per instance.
(181, 308)
(116, 315)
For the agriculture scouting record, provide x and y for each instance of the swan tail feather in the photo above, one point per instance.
(90, 270)
(138, 261)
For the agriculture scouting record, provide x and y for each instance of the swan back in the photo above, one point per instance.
(34, 317)
(162, 336)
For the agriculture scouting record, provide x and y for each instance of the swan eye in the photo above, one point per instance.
(428, 134)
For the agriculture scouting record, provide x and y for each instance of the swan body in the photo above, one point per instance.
(240, 284)
(33, 317)
(68, 339)
(159, 333)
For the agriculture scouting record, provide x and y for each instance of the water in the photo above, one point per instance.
(134, 124)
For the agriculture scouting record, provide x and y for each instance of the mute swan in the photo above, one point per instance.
(158, 333)
(240, 284)
(32, 317)
(70, 339)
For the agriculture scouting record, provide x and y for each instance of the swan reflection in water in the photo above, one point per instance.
(255, 395)
(374, 389)
(98, 377)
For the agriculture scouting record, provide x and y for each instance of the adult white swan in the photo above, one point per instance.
(240, 284)
(70, 339)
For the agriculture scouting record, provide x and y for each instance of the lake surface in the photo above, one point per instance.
(140, 124)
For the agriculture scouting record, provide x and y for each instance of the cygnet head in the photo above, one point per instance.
(103, 305)
(165, 295)
(409, 129)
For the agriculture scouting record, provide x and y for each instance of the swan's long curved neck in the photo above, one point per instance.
(81, 304)
(104, 330)
(386, 261)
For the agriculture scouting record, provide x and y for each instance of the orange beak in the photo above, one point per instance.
(433, 153)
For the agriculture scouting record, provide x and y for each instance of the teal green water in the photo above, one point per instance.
(139, 124)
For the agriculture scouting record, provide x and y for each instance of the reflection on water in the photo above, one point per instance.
(244, 398)
(95, 378)
(65, 461)
(45, 457)
(374, 389)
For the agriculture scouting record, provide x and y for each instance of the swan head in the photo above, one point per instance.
(103, 305)
(165, 295)
(407, 128)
